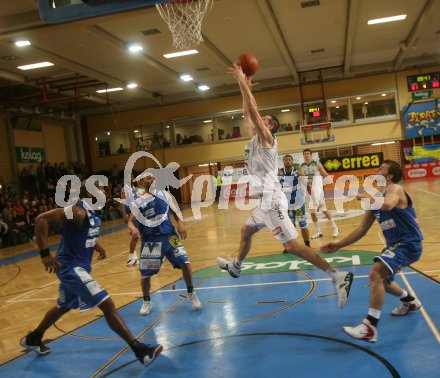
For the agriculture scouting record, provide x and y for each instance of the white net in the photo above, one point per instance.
(184, 19)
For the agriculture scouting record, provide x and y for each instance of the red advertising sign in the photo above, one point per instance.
(420, 171)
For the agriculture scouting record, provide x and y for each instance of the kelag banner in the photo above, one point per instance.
(30, 154)
(422, 119)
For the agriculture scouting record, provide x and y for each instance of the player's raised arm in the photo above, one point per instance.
(250, 108)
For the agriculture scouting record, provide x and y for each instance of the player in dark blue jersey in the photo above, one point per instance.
(78, 289)
(150, 219)
(398, 221)
(295, 192)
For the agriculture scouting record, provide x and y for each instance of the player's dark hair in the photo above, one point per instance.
(287, 155)
(308, 149)
(275, 123)
(394, 169)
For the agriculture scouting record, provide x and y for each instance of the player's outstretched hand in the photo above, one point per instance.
(329, 247)
(51, 264)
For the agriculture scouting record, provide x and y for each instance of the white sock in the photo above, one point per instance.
(404, 294)
(318, 228)
(374, 313)
(132, 256)
(333, 224)
(332, 272)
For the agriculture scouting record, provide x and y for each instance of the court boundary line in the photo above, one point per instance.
(414, 272)
(425, 314)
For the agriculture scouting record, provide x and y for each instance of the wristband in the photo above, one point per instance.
(44, 253)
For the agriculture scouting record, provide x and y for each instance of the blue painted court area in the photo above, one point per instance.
(262, 325)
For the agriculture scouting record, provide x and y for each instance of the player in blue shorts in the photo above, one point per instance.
(296, 195)
(78, 289)
(159, 239)
(398, 221)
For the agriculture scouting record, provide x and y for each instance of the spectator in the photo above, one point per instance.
(121, 149)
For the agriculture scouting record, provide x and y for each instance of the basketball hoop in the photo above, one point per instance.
(184, 19)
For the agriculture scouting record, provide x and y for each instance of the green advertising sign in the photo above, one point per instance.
(422, 95)
(289, 263)
(30, 154)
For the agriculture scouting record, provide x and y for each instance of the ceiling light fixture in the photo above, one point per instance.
(186, 77)
(358, 98)
(35, 65)
(203, 87)
(383, 94)
(207, 121)
(22, 43)
(285, 110)
(109, 90)
(379, 144)
(132, 85)
(180, 53)
(135, 48)
(387, 19)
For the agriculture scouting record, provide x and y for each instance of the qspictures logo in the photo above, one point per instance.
(204, 190)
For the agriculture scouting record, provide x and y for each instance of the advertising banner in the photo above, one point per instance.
(422, 119)
(30, 154)
(418, 171)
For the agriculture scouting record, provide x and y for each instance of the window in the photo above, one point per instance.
(229, 126)
(288, 116)
(375, 107)
(194, 131)
(338, 111)
(112, 142)
(152, 137)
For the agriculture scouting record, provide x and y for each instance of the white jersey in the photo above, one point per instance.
(262, 164)
(310, 170)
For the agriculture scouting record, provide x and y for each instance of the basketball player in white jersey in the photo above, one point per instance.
(272, 211)
(311, 169)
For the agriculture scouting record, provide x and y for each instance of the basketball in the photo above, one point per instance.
(249, 64)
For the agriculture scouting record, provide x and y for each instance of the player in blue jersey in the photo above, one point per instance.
(398, 221)
(78, 289)
(150, 219)
(295, 193)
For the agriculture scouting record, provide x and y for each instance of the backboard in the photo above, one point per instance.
(58, 11)
(317, 133)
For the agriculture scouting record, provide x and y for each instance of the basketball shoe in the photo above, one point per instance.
(146, 308)
(33, 341)
(146, 353)
(364, 331)
(342, 282)
(335, 232)
(195, 302)
(229, 265)
(406, 307)
(317, 235)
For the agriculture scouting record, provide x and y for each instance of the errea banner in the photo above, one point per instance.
(30, 154)
(352, 163)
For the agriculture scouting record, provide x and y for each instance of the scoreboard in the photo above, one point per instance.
(423, 81)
